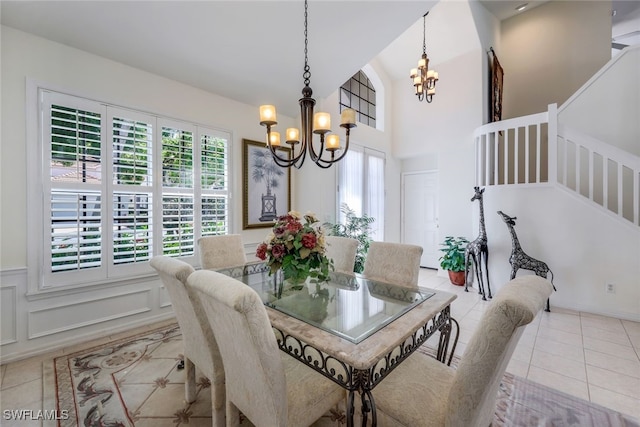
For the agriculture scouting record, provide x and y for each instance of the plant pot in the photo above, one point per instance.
(456, 277)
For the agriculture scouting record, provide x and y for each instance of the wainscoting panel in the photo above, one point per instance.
(52, 320)
(37, 324)
(9, 326)
(165, 301)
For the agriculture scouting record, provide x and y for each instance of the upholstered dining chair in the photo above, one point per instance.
(342, 250)
(200, 347)
(396, 263)
(226, 250)
(424, 392)
(271, 388)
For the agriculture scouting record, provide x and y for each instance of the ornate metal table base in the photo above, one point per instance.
(363, 381)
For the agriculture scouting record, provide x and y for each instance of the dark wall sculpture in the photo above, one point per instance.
(478, 252)
(519, 259)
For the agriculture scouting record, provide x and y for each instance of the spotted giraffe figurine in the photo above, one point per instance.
(478, 251)
(520, 260)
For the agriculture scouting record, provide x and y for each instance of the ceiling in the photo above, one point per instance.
(502, 9)
(249, 51)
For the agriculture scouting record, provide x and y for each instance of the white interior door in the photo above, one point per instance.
(420, 214)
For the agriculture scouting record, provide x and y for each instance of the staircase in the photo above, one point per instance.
(540, 149)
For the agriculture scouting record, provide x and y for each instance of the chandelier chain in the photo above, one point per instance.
(424, 32)
(307, 70)
(301, 141)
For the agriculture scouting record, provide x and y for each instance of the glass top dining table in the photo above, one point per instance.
(351, 329)
(349, 306)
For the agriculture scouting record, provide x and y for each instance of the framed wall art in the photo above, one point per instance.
(495, 97)
(266, 186)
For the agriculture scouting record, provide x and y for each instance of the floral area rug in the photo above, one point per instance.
(136, 381)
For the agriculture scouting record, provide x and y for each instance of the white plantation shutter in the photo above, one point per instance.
(132, 228)
(214, 174)
(72, 152)
(122, 186)
(177, 157)
(177, 225)
(215, 215)
(132, 143)
(76, 224)
(177, 189)
(132, 156)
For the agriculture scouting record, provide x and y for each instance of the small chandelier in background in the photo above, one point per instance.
(424, 79)
(321, 125)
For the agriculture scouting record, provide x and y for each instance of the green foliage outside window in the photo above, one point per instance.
(355, 227)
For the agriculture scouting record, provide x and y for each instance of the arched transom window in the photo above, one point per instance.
(358, 93)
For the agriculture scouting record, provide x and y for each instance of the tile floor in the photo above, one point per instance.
(593, 357)
(589, 356)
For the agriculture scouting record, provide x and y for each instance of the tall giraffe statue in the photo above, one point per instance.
(478, 251)
(519, 259)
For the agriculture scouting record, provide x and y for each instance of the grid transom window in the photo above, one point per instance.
(123, 186)
(358, 93)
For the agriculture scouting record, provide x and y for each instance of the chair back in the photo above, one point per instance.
(221, 251)
(472, 397)
(255, 378)
(198, 340)
(396, 263)
(342, 250)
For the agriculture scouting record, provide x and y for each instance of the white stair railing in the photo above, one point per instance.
(605, 174)
(536, 150)
(517, 151)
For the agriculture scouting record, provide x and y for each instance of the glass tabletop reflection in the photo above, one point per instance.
(349, 306)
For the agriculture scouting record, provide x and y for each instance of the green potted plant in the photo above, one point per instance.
(453, 258)
(355, 227)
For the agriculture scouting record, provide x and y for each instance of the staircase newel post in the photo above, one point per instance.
(552, 139)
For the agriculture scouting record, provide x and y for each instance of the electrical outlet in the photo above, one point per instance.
(610, 288)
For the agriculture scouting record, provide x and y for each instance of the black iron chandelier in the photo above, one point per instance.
(424, 79)
(321, 125)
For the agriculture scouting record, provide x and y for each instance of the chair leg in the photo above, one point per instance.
(455, 340)
(233, 415)
(218, 410)
(190, 381)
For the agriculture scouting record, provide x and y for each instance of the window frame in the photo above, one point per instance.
(351, 95)
(39, 219)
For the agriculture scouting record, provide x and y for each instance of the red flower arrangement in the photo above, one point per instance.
(296, 248)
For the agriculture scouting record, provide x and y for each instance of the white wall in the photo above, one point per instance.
(417, 136)
(25, 56)
(607, 107)
(35, 323)
(488, 30)
(584, 247)
(550, 51)
(38, 322)
(316, 187)
(440, 134)
(444, 130)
